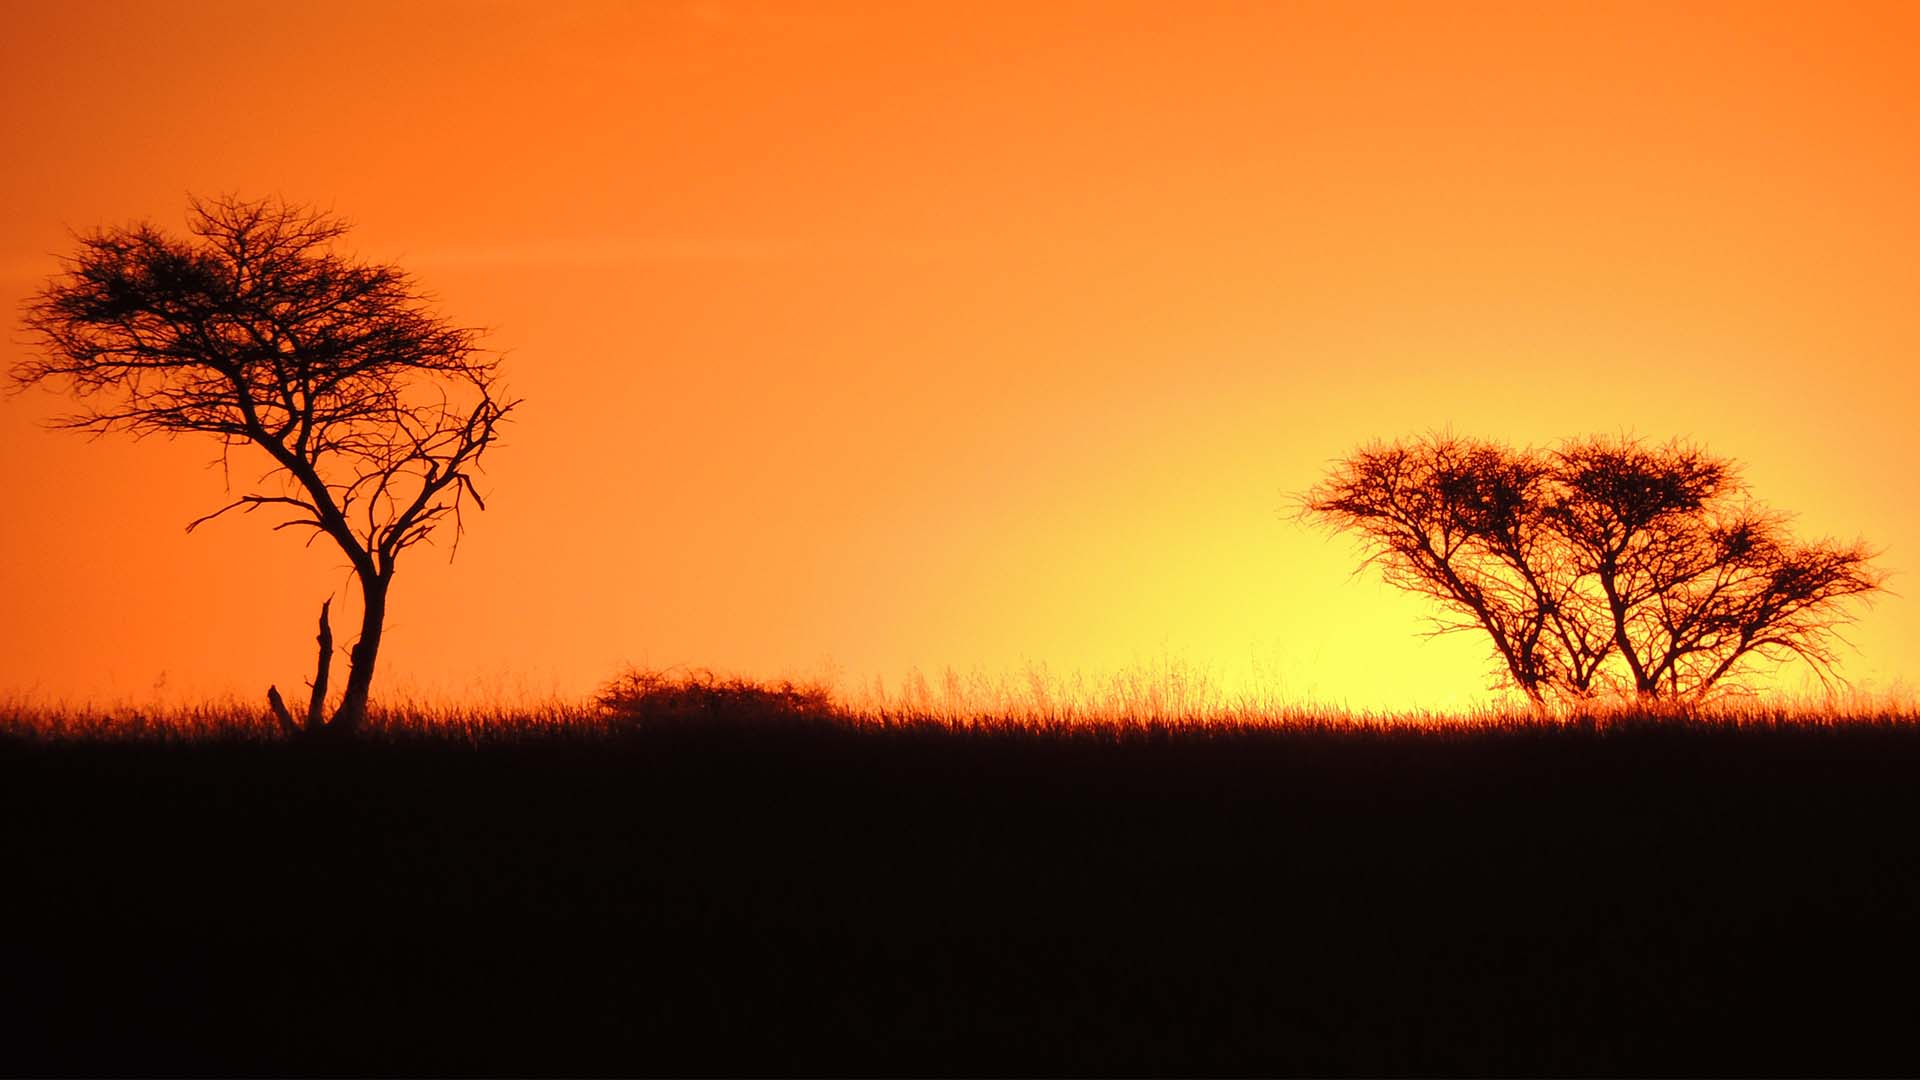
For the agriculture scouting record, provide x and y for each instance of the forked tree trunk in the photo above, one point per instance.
(353, 704)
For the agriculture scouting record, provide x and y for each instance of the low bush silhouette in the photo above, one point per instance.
(699, 699)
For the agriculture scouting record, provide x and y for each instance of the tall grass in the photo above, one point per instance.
(1170, 700)
(236, 721)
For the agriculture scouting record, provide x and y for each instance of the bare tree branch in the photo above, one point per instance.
(373, 410)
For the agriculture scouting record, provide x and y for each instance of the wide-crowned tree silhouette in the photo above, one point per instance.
(372, 410)
(1599, 565)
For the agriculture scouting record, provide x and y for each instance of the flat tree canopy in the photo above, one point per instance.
(1601, 565)
(371, 410)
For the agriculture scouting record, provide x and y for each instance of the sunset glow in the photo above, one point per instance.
(858, 340)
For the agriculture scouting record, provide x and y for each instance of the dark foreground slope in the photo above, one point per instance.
(1668, 901)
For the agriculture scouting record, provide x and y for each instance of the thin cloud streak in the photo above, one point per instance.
(606, 253)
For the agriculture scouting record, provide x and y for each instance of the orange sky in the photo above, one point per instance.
(877, 335)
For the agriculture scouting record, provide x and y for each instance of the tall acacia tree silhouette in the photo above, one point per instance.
(1603, 564)
(257, 331)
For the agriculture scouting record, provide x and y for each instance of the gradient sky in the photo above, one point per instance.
(871, 336)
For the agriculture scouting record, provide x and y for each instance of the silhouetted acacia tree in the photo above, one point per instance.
(373, 410)
(1602, 564)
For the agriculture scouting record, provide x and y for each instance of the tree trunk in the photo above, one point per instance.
(317, 701)
(353, 704)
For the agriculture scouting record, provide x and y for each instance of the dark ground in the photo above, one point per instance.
(1660, 901)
